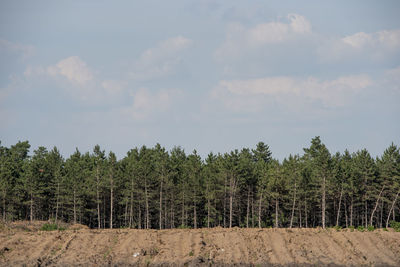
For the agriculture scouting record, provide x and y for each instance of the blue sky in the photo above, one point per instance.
(207, 75)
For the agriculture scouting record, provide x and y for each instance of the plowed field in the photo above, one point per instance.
(201, 247)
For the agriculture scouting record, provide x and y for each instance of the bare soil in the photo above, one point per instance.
(199, 247)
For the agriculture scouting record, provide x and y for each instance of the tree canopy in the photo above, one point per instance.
(160, 189)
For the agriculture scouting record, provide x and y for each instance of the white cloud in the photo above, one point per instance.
(25, 51)
(147, 103)
(76, 78)
(383, 39)
(252, 95)
(160, 60)
(72, 68)
(361, 46)
(239, 38)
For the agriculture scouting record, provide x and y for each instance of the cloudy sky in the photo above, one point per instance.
(205, 74)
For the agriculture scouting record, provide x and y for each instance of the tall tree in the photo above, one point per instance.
(365, 171)
(389, 172)
(55, 168)
(320, 159)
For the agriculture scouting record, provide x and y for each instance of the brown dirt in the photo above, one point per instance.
(202, 247)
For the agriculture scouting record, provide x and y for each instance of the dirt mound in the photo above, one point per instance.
(202, 247)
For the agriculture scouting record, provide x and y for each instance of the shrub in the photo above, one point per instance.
(51, 227)
(370, 228)
(361, 228)
(351, 227)
(395, 225)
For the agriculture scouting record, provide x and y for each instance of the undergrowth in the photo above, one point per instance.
(395, 225)
(51, 227)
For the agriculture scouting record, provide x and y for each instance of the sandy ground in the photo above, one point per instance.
(201, 247)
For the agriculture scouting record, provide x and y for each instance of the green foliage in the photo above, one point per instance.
(51, 227)
(370, 228)
(395, 225)
(152, 187)
(361, 228)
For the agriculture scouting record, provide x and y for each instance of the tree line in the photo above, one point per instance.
(152, 188)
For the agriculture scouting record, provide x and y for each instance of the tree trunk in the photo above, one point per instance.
(391, 208)
(232, 189)
(366, 214)
(259, 211)
(194, 206)
(276, 213)
(345, 213)
(394, 217)
(300, 222)
(252, 210)
(376, 206)
(74, 207)
(294, 205)
(165, 212)
(4, 205)
(305, 213)
(104, 211)
(31, 207)
(172, 214)
(131, 207)
(140, 217)
(98, 197)
(248, 207)
(57, 199)
(147, 204)
(183, 208)
(230, 208)
(225, 202)
(194, 216)
(381, 215)
(161, 188)
(340, 202)
(126, 213)
(323, 201)
(351, 212)
(111, 199)
(208, 207)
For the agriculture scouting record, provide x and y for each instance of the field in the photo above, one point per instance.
(23, 244)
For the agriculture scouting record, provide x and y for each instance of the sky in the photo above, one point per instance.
(207, 75)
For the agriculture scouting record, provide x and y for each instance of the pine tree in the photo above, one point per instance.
(320, 160)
